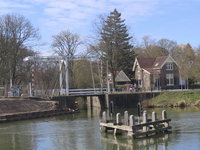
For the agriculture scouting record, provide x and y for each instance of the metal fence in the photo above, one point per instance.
(39, 90)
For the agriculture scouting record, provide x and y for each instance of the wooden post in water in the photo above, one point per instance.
(118, 122)
(134, 130)
(154, 118)
(164, 116)
(126, 118)
(132, 120)
(132, 123)
(145, 120)
(104, 120)
(118, 118)
(111, 109)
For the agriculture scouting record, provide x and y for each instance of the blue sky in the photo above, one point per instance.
(177, 20)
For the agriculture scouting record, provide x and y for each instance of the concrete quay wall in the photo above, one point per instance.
(124, 100)
(36, 114)
(22, 108)
(65, 101)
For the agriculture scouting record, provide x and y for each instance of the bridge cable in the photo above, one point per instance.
(51, 78)
(92, 75)
(53, 91)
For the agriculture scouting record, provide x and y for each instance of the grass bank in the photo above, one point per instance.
(176, 99)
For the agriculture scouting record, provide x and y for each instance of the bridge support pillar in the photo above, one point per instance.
(97, 101)
(89, 101)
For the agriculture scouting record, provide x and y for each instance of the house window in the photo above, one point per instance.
(169, 66)
(170, 79)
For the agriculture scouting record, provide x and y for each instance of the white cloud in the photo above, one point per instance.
(13, 5)
(52, 16)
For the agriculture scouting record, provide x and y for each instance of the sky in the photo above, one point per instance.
(177, 20)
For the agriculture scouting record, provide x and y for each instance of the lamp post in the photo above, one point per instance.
(108, 79)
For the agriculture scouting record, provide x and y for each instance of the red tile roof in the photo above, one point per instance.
(146, 62)
(149, 63)
(159, 61)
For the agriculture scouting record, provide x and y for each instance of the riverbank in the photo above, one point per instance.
(20, 108)
(174, 99)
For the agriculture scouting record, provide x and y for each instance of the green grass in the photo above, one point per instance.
(173, 97)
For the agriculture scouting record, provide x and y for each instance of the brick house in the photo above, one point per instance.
(156, 73)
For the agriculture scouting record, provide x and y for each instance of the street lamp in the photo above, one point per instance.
(109, 77)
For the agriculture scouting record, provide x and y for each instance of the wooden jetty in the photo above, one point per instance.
(144, 127)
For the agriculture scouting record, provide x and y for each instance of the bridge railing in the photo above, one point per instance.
(87, 91)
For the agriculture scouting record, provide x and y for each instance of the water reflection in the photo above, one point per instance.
(81, 131)
(93, 112)
(154, 142)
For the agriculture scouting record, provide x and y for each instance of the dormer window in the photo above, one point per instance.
(156, 64)
(169, 66)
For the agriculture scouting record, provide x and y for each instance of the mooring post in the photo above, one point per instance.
(132, 120)
(104, 117)
(145, 120)
(118, 118)
(154, 118)
(126, 118)
(145, 111)
(104, 120)
(118, 121)
(139, 111)
(132, 123)
(111, 109)
(164, 116)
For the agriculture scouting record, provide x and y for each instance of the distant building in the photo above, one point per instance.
(157, 73)
(120, 78)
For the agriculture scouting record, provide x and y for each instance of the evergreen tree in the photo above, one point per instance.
(114, 45)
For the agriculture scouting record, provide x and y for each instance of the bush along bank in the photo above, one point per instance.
(174, 99)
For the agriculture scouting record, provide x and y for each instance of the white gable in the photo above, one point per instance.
(169, 60)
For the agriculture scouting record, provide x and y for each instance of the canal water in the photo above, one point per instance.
(81, 132)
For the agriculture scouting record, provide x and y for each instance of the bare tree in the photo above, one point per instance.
(168, 45)
(66, 43)
(17, 36)
(147, 42)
